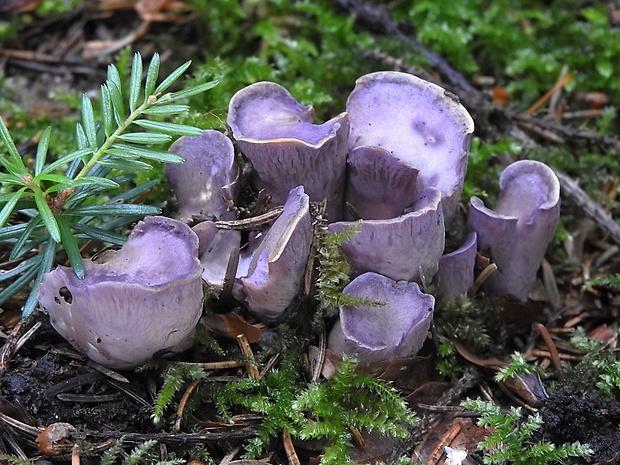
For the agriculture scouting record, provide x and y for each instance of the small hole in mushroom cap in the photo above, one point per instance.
(65, 294)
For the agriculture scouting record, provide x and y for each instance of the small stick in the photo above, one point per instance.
(251, 223)
(22, 340)
(270, 364)
(289, 448)
(7, 349)
(576, 320)
(129, 393)
(87, 398)
(10, 440)
(553, 293)
(231, 455)
(561, 83)
(545, 354)
(561, 330)
(32, 430)
(482, 277)
(246, 350)
(183, 403)
(212, 365)
(579, 197)
(357, 437)
(109, 373)
(320, 361)
(553, 350)
(446, 440)
(75, 454)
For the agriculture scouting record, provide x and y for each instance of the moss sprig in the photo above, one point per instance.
(350, 398)
(334, 271)
(598, 363)
(517, 366)
(175, 377)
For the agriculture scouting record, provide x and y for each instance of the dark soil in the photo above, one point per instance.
(48, 368)
(572, 416)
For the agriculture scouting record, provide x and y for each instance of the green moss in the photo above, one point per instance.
(286, 401)
(511, 437)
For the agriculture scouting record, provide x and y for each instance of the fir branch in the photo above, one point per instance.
(57, 195)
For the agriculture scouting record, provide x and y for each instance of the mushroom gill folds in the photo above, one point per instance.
(277, 135)
(419, 123)
(142, 300)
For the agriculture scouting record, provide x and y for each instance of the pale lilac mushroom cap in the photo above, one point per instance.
(420, 123)
(379, 185)
(276, 133)
(205, 184)
(276, 269)
(456, 269)
(133, 304)
(397, 329)
(516, 234)
(406, 248)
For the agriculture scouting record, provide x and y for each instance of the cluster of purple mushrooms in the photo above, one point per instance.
(395, 159)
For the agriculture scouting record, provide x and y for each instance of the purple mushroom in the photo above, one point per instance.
(405, 248)
(205, 184)
(379, 185)
(216, 248)
(276, 269)
(516, 234)
(275, 132)
(133, 304)
(396, 329)
(456, 269)
(420, 123)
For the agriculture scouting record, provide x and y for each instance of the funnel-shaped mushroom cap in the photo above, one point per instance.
(379, 185)
(456, 269)
(419, 122)
(517, 233)
(404, 248)
(217, 246)
(275, 132)
(142, 300)
(277, 267)
(375, 333)
(205, 183)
